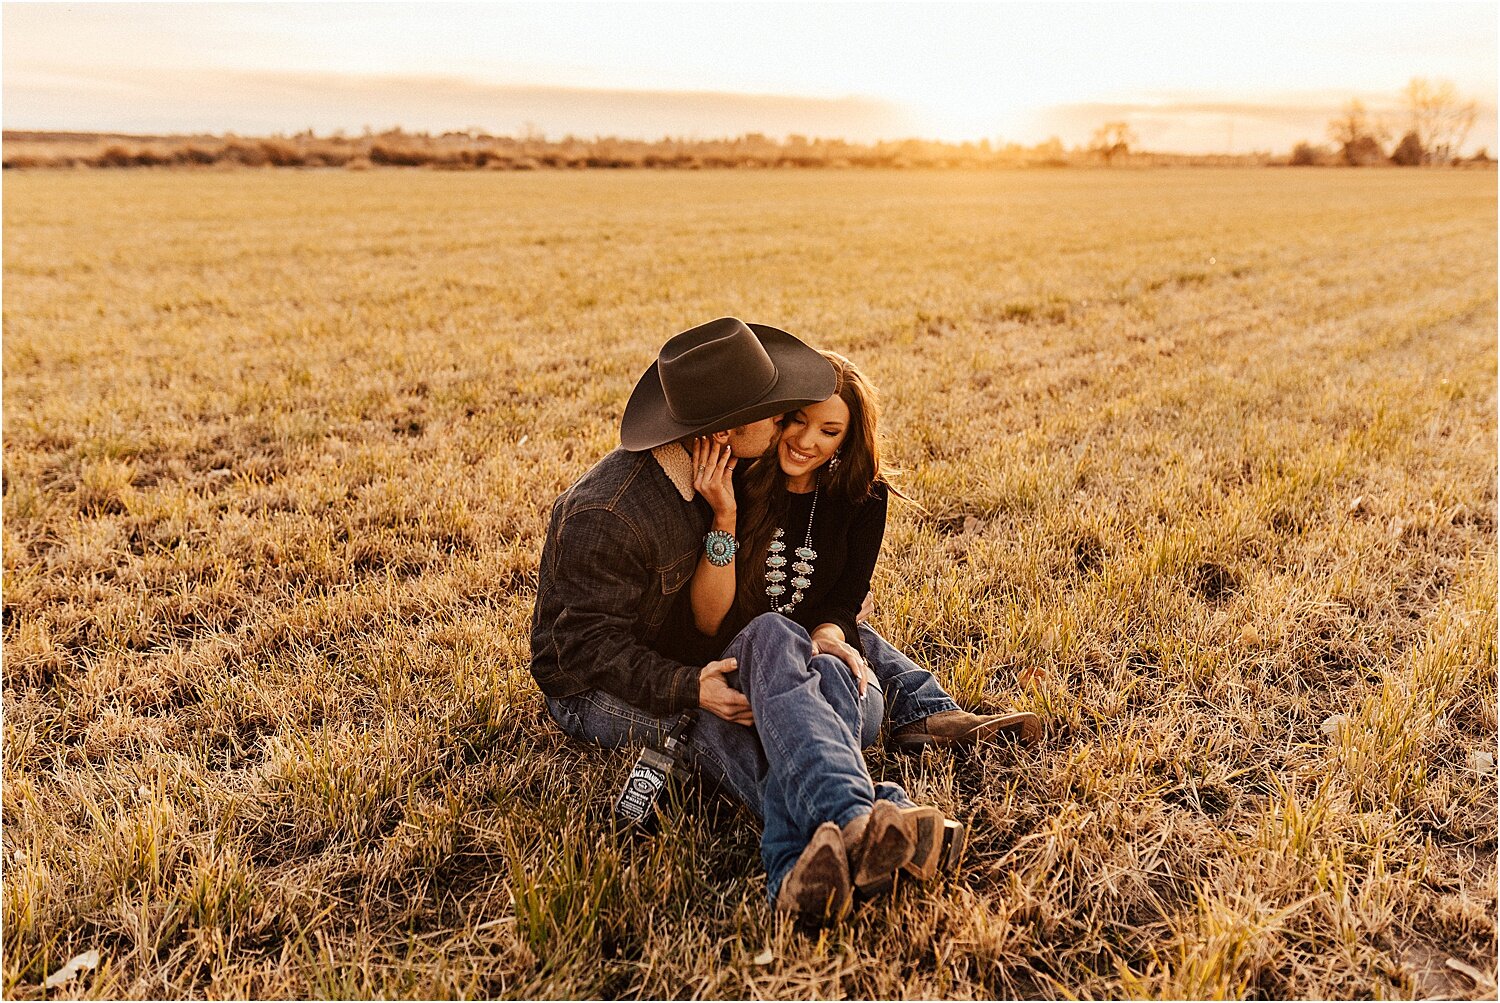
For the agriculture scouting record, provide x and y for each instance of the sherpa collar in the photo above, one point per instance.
(678, 466)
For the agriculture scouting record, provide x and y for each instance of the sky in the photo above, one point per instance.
(1188, 77)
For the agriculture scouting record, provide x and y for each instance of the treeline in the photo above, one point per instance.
(479, 151)
(1433, 121)
(1371, 152)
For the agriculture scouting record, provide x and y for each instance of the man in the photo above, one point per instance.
(785, 718)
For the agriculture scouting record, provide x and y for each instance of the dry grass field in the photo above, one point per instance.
(1207, 468)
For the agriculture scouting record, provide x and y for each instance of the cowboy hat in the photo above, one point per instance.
(721, 375)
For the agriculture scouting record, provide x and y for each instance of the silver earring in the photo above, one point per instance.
(833, 461)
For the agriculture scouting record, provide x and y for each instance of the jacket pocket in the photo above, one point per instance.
(677, 574)
(672, 578)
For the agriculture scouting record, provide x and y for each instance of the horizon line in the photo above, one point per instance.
(994, 144)
(1052, 146)
(196, 102)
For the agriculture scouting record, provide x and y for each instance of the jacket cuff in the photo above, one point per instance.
(684, 688)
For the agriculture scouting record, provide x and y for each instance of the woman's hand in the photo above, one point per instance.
(713, 467)
(712, 590)
(845, 653)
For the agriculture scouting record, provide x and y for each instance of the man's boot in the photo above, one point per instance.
(958, 729)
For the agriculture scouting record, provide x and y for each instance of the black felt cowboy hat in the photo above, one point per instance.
(720, 375)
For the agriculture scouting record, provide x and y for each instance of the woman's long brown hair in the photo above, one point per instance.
(764, 498)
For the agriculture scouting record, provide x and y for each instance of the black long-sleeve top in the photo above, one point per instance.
(847, 539)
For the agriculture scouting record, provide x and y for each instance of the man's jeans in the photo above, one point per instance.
(801, 764)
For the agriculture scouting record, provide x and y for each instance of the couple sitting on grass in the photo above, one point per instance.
(721, 560)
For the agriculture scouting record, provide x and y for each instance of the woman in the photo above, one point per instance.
(810, 528)
(806, 539)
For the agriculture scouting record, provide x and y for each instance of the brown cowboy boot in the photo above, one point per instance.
(955, 841)
(885, 841)
(952, 729)
(928, 855)
(817, 891)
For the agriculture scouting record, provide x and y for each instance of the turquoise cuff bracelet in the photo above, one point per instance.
(720, 547)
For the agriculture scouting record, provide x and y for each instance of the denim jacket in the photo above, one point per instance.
(621, 545)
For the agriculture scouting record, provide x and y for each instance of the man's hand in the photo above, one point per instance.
(716, 696)
(845, 653)
(866, 609)
(713, 467)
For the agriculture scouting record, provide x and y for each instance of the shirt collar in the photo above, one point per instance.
(678, 466)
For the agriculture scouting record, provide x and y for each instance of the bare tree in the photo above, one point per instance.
(1360, 137)
(1440, 119)
(1112, 139)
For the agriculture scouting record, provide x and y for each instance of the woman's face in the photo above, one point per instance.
(810, 436)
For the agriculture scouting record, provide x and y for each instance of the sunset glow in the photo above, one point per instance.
(1192, 78)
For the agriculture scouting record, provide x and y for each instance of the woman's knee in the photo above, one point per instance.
(828, 663)
(775, 625)
(766, 642)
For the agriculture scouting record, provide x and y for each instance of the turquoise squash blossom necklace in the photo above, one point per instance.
(802, 568)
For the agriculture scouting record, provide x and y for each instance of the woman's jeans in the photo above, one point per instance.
(801, 764)
(911, 692)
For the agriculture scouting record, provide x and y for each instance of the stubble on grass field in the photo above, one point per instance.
(1206, 463)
